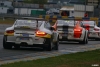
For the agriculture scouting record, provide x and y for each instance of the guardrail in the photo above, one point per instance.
(14, 16)
(53, 18)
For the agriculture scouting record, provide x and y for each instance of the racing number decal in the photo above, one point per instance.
(66, 21)
(29, 21)
(69, 22)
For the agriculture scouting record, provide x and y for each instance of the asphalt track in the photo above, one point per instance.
(3, 27)
(29, 53)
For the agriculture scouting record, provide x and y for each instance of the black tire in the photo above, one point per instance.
(6, 45)
(82, 42)
(85, 40)
(16, 46)
(48, 44)
(97, 39)
(56, 44)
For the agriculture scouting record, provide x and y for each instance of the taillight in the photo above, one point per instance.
(87, 26)
(78, 30)
(10, 31)
(40, 33)
(96, 29)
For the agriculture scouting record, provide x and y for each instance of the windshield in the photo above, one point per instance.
(66, 22)
(92, 23)
(31, 23)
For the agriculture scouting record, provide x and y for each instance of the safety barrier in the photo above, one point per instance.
(53, 18)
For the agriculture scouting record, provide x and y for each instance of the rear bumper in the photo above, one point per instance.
(77, 40)
(26, 45)
(31, 41)
(70, 39)
(93, 35)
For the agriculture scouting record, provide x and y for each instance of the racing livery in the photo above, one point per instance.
(71, 30)
(94, 30)
(32, 32)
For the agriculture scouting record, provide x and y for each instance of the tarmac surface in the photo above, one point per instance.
(29, 53)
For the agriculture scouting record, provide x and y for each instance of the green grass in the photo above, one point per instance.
(7, 21)
(11, 21)
(81, 59)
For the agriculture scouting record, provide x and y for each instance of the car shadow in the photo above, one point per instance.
(29, 49)
(35, 49)
(70, 43)
(93, 40)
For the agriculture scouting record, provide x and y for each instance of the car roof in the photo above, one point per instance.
(65, 19)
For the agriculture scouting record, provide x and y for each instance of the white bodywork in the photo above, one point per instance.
(69, 36)
(20, 36)
(94, 30)
(94, 33)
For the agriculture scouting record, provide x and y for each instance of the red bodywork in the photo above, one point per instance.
(87, 27)
(77, 30)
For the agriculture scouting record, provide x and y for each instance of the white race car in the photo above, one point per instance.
(31, 32)
(94, 30)
(70, 30)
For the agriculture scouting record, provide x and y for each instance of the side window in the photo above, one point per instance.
(47, 25)
(95, 22)
(81, 24)
(15, 22)
(40, 23)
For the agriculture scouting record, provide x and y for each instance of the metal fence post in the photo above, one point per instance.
(93, 5)
(85, 6)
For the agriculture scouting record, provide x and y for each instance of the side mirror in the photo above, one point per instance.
(52, 28)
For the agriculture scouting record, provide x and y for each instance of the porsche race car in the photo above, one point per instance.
(31, 32)
(93, 29)
(71, 30)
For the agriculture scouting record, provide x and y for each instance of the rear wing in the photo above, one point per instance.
(66, 19)
(31, 18)
(75, 19)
